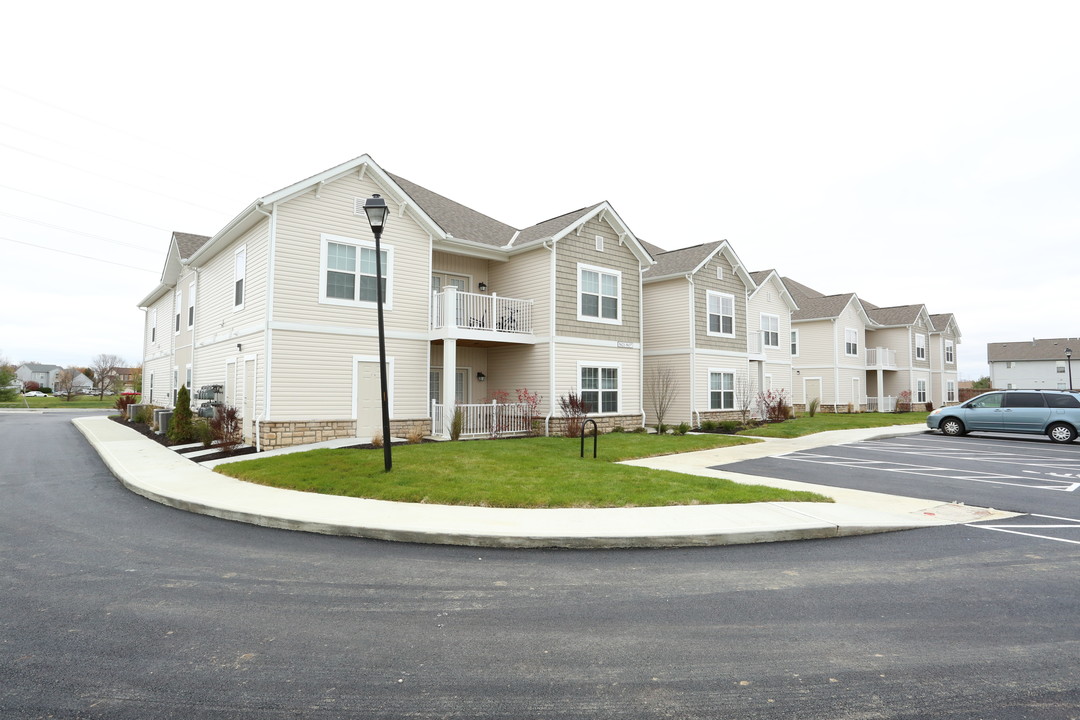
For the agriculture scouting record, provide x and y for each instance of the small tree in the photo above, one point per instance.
(775, 404)
(7, 380)
(31, 385)
(180, 427)
(575, 411)
(227, 426)
(903, 401)
(65, 382)
(532, 401)
(104, 370)
(661, 386)
(982, 383)
(136, 380)
(745, 396)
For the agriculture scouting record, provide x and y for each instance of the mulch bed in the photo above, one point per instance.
(145, 430)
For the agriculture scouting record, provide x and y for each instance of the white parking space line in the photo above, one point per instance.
(1024, 481)
(1070, 524)
(1061, 467)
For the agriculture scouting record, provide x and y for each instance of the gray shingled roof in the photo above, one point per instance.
(941, 321)
(188, 244)
(1046, 349)
(40, 367)
(801, 292)
(456, 219)
(547, 228)
(816, 308)
(899, 315)
(682, 260)
(653, 250)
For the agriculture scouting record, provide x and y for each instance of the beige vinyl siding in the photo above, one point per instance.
(527, 276)
(475, 269)
(703, 364)
(896, 339)
(679, 409)
(473, 360)
(217, 320)
(706, 280)
(667, 315)
(920, 328)
(300, 225)
(568, 357)
(511, 367)
(318, 385)
(817, 343)
(580, 247)
(770, 301)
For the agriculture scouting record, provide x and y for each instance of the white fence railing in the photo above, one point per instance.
(888, 404)
(880, 357)
(481, 312)
(483, 420)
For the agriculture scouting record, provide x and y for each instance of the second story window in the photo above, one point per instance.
(153, 325)
(191, 306)
(349, 272)
(795, 343)
(851, 342)
(721, 314)
(920, 346)
(950, 355)
(179, 299)
(770, 331)
(239, 274)
(599, 292)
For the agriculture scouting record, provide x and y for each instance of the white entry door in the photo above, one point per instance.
(368, 399)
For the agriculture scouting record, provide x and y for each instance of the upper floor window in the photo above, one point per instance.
(795, 343)
(770, 331)
(599, 293)
(1060, 367)
(920, 346)
(600, 388)
(176, 304)
(349, 272)
(851, 342)
(153, 324)
(191, 306)
(721, 314)
(239, 273)
(950, 353)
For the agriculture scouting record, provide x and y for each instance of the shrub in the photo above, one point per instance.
(812, 407)
(532, 400)
(575, 411)
(729, 427)
(122, 403)
(929, 407)
(228, 427)
(376, 440)
(903, 401)
(708, 425)
(661, 428)
(202, 432)
(618, 429)
(457, 424)
(775, 404)
(30, 386)
(683, 428)
(45, 389)
(180, 426)
(415, 436)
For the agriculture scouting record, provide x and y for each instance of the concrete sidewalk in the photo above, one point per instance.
(162, 475)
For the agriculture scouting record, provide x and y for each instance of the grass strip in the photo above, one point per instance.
(822, 422)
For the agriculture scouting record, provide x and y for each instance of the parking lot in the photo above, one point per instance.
(1024, 474)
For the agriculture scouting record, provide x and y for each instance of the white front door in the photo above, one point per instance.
(368, 399)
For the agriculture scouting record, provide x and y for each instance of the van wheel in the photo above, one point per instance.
(952, 426)
(1062, 433)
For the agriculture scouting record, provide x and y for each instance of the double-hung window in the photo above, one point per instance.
(153, 324)
(349, 272)
(950, 353)
(599, 388)
(920, 346)
(176, 306)
(770, 331)
(851, 342)
(721, 314)
(920, 391)
(191, 306)
(721, 390)
(599, 294)
(794, 343)
(239, 273)
(950, 391)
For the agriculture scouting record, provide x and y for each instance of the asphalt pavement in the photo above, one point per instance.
(160, 474)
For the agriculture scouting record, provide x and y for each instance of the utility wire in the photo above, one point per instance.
(77, 232)
(66, 252)
(83, 207)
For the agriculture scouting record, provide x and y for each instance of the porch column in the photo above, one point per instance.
(449, 383)
(880, 389)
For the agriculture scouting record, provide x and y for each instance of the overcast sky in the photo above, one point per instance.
(908, 152)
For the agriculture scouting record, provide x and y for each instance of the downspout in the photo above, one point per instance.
(267, 339)
(551, 341)
(836, 365)
(693, 353)
(641, 343)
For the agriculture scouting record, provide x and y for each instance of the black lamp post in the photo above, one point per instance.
(1068, 361)
(377, 212)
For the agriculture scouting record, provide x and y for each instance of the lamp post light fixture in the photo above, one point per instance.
(376, 210)
(1068, 361)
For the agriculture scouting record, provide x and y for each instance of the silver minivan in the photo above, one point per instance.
(1054, 413)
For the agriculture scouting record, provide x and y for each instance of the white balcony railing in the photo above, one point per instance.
(880, 357)
(481, 313)
(483, 420)
(887, 404)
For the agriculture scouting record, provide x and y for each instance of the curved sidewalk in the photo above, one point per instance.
(162, 475)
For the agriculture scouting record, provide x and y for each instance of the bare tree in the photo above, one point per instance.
(661, 386)
(745, 395)
(65, 382)
(105, 369)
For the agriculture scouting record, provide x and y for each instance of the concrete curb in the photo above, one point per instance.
(161, 475)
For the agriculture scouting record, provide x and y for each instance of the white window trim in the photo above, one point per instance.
(617, 320)
(920, 346)
(599, 243)
(191, 306)
(390, 365)
(950, 352)
(950, 391)
(795, 341)
(178, 301)
(387, 272)
(713, 293)
(601, 366)
(709, 390)
(920, 391)
(240, 273)
(153, 325)
(846, 342)
(763, 330)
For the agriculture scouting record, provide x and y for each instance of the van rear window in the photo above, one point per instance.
(1062, 401)
(1024, 400)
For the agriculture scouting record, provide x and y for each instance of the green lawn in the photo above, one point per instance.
(81, 402)
(544, 472)
(806, 425)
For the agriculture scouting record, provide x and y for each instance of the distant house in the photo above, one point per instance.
(43, 375)
(1032, 364)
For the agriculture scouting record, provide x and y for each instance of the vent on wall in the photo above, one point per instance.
(358, 206)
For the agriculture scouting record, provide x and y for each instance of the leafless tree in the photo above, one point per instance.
(106, 369)
(661, 386)
(65, 382)
(745, 395)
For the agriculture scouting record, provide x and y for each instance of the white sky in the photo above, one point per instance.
(917, 152)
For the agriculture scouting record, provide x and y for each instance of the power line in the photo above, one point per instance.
(77, 232)
(83, 207)
(66, 252)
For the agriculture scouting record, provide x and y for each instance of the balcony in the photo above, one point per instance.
(473, 316)
(882, 358)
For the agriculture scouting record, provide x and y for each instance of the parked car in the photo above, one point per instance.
(1054, 413)
(34, 393)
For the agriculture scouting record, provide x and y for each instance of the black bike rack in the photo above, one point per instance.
(595, 432)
